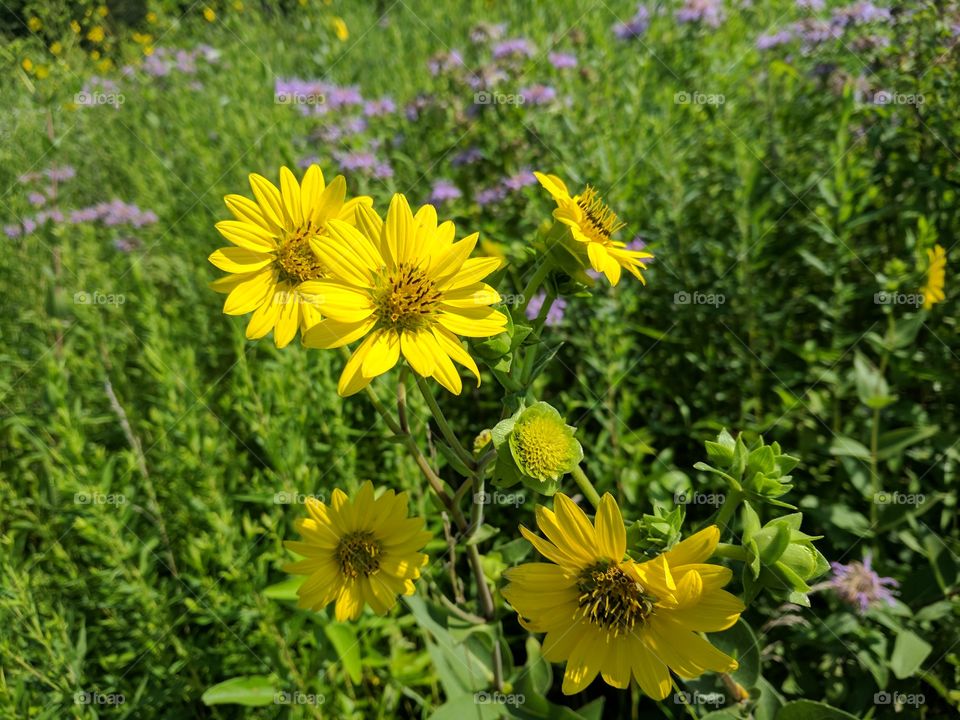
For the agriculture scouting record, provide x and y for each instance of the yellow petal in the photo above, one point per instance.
(264, 319)
(451, 345)
(651, 672)
(585, 661)
(290, 194)
(416, 352)
(382, 354)
(352, 380)
(247, 235)
(310, 190)
(288, 321)
(246, 210)
(240, 260)
(268, 198)
(473, 322)
(346, 254)
(473, 270)
(694, 549)
(450, 262)
(343, 303)
(554, 185)
(399, 229)
(330, 202)
(251, 294)
(329, 334)
(611, 534)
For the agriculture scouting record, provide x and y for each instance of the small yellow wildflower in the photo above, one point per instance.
(148, 50)
(42, 72)
(34, 23)
(75, 26)
(340, 29)
(95, 55)
(933, 290)
(56, 48)
(27, 64)
(96, 34)
(151, 18)
(209, 15)
(103, 11)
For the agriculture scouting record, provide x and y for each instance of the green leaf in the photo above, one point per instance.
(248, 690)
(344, 640)
(909, 652)
(872, 387)
(740, 643)
(810, 710)
(286, 590)
(469, 706)
(843, 446)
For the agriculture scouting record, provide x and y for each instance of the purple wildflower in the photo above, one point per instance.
(445, 62)
(60, 174)
(635, 26)
(554, 314)
(467, 157)
(515, 47)
(810, 4)
(444, 191)
(708, 12)
(12, 231)
(355, 160)
(126, 244)
(857, 584)
(376, 108)
(520, 180)
(562, 61)
(490, 196)
(767, 42)
(538, 94)
(37, 199)
(29, 225)
(382, 171)
(484, 32)
(28, 178)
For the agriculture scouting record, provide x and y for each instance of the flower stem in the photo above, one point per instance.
(531, 357)
(535, 282)
(730, 503)
(586, 487)
(731, 552)
(444, 426)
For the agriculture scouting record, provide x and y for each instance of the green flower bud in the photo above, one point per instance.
(759, 472)
(535, 447)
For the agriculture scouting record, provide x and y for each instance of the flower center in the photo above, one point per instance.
(543, 448)
(297, 260)
(612, 599)
(602, 222)
(358, 554)
(405, 298)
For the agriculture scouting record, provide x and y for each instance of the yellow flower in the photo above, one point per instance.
(237, 5)
(105, 65)
(405, 287)
(604, 613)
(75, 26)
(27, 64)
(340, 29)
(142, 38)
(96, 34)
(103, 11)
(360, 552)
(94, 54)
(209, 15)
(34, 24)
(272, 258)
(592, 224)
(148, 50)
(56, 48)
(151, 17)
(933, 290)
(42, 72)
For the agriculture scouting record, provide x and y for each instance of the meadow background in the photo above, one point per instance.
(788, 176)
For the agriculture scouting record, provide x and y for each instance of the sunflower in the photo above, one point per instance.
(272, 256)
(358, 552)
(592, 225)
(404, 286)
(933, 290)
(604, 613)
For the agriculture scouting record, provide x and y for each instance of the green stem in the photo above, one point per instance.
(539, 275)
(444, 426)
(586, 487)
(531, 357)
(731, 552)
(730, 503)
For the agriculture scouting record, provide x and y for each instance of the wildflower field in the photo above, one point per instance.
(407, 359)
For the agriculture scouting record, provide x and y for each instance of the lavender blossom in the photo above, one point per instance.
(635, 26)
(490, 196)
(445, 62)
(60, 174)
(484, 32)
(467, 157)
(562, 61)
(376, 108)
(708, 12)
(858, 585)
(444, 191)
(538, 94)
(37, 199)
(768, 42)
(513, 48)
(554, 314)
(520, 180)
